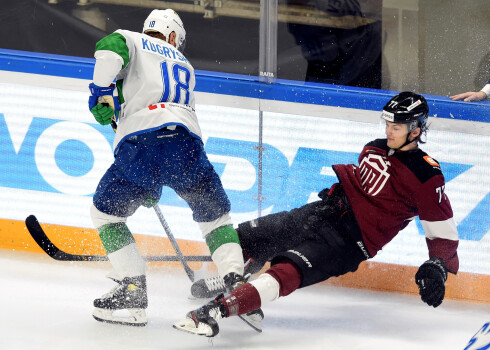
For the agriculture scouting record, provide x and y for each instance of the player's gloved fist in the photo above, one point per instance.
(430, 279)
(335, 199)
(102, 104)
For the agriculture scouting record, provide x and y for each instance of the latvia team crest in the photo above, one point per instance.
(374, 173)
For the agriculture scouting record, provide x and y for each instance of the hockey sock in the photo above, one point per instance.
(280, 280)
(127, 262)
(115, 236)
(287, 275)
(225, 249)
(242, 300)
(121, 249)
(228, 258)
(267, 286)
(220, 236)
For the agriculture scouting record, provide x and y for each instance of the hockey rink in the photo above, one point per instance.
(47, 304)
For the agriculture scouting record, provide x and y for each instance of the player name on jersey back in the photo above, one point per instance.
(165, 51)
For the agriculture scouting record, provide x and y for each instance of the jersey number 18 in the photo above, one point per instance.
(175, 83)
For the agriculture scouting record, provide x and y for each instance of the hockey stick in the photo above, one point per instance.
(53, 251)
(170, 236)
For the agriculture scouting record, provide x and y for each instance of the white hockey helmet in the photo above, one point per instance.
(166, 22)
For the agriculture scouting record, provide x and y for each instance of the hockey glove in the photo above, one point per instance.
(102, 104)
(430, 279)
(335, 199)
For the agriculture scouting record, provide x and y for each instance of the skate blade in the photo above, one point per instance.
(253, 319)
(188, 325)
(201, 297)
(126, 317)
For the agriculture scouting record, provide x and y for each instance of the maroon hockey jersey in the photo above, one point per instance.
(386, 191)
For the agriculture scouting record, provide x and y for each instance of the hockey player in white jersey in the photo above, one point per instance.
(157, 143)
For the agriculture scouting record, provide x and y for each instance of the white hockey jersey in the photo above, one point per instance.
(155, 83)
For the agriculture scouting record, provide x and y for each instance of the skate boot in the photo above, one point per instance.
(210, 287)
(204, 321)
(125, 304)
(253, 318)
(207, 288)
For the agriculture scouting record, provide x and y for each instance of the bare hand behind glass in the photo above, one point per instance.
(470, 96)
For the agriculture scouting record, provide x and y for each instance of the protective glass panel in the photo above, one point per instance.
(333, 42)
(431, 46)
(222, 36)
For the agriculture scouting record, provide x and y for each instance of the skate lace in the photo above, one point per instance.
(215, 283)
(215, 313)
(115, 290)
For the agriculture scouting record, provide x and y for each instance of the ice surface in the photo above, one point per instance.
(47, 304)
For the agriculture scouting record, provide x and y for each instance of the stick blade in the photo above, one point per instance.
(54, 252)
(40, 237)
(45, 243)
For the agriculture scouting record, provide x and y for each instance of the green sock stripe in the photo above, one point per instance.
(115, 236)
(220, 236)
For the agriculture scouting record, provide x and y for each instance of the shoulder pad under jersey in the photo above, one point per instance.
(379, 143)
(420, 163)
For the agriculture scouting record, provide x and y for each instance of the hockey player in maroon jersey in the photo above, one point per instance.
(394, 183)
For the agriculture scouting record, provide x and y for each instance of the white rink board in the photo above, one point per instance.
(53, 154)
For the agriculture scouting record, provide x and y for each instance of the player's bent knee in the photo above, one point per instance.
(100, 219)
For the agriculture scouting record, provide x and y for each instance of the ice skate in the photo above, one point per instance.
(210, 287)
(204, 321)
(253, 318)
(125, 304)
(207, 288)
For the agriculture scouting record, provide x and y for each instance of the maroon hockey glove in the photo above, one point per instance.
(430, 279)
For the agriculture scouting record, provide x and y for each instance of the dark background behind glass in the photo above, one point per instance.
(431, 46)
